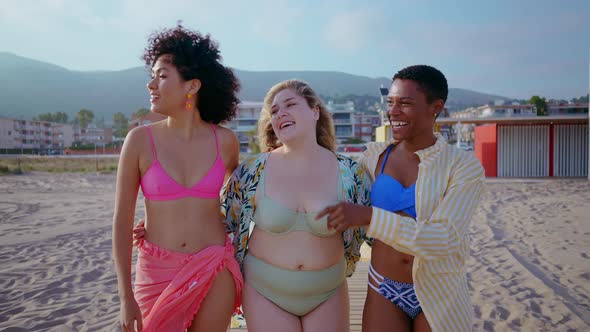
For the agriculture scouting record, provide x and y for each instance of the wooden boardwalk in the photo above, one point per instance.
(357, 291)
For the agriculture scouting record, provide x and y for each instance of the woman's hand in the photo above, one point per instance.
(138, 232)
(130, 315)
(343, 215)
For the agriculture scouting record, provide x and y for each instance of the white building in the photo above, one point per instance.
(497, 110)
(567, 108)
(245, 122)
(7, 133)
(18, 134)
(63, 135)
(93, 135)
(343, 116)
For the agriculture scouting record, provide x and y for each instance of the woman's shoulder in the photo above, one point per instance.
(351, 169)
(345, 160)
(252, 164)
(139, 136)
(226, 136)
(347, 163)
(464, 161)
(229, 145)
(255, 159)
(460, 156)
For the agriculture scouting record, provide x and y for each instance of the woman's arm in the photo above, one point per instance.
(231, 201)
(230, 150)
(363, 184)
(365, 189)
(128, 178)
(237, 203)
(362, 187)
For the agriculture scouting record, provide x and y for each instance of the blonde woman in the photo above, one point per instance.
(295, 267)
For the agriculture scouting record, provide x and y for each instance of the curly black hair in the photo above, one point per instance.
(430, 80)
(197, 57)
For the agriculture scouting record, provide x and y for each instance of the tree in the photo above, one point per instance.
(99, 122)
(59, 117)
(583, 99)
(141, 112)
(84, 117)
(120, 124)
(253, 145)
(540, 103)
(44, 117)
(361, 103)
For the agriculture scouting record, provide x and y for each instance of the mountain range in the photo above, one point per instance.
(29, 87)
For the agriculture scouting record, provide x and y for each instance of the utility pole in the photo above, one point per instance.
(95, 158)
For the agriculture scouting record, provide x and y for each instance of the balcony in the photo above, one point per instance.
(248, 115)
(342, 121)
(344, 133)
(245, 127)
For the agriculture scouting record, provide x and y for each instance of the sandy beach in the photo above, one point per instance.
(529, 269)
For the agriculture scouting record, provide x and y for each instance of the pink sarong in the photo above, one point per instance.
(170, 285)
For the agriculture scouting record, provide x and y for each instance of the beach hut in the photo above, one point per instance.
(525, 147)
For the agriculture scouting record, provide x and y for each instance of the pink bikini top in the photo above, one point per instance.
(157, 185)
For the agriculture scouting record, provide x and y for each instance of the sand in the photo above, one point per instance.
(529, 270)
(529, 267)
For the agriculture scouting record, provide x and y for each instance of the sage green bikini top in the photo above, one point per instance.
(275, 218)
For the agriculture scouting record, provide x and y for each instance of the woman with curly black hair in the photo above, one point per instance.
(186, 273)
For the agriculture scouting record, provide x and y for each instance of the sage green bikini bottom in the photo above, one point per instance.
(297, 292)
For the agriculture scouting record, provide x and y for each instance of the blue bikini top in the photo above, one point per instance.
(388, 194)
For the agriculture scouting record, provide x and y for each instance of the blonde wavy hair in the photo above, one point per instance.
(325, 134)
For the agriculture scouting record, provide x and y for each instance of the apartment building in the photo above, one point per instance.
(18, 134)
(150, 117)
(567, 108)
(365, 124)
(343, 117)
(245, 123)
(498, 109)
(93, 135)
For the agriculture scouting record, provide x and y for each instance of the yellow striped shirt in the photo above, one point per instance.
(448, 189)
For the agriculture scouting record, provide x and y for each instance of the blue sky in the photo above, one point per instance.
(510, 48)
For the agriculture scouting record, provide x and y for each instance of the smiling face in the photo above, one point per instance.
(292, 117)
(167, 89)
(408, 110)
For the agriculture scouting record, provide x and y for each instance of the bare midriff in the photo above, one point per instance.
(186, 225)
(390, 263)
(296, 250)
